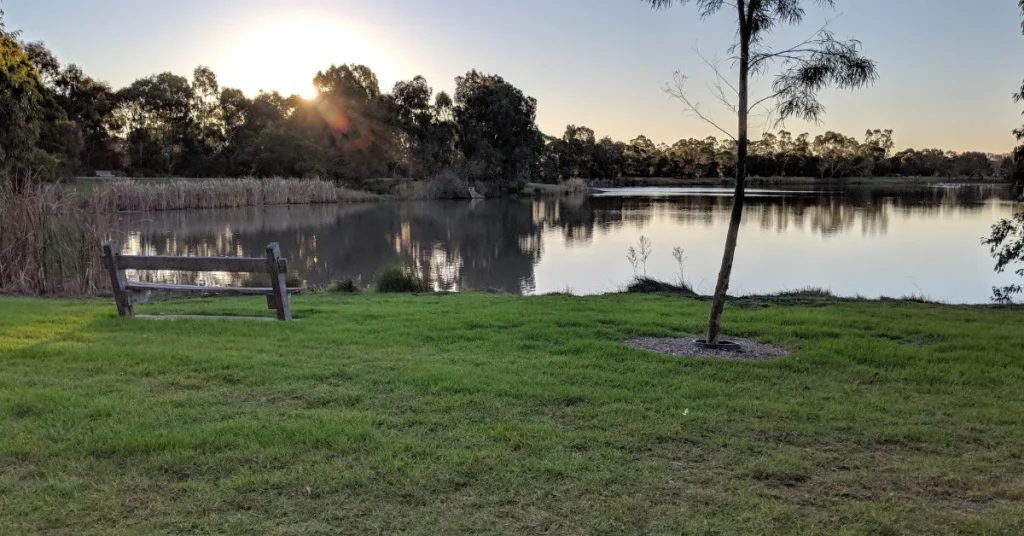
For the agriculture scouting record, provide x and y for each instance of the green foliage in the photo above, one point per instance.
(447, 185)
(262, 280)
(21, 110)
(498, 131)
(398, 279)
(1007, 238)
(428, 128)
(344, 286)
(647, 285)
(1007, 246)
(1016, 170)
(805, 292)
(509, 415)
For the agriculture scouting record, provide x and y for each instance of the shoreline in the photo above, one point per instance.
(777, 299)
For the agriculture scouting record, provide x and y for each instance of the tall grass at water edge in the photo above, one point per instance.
(49, 245)
(137, 196)
(50, 237)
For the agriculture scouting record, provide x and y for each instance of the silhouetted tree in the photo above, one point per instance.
(35, 136)
(425, 128)
(347, 124)
(90, 105)
(156, 116)
(498, 132)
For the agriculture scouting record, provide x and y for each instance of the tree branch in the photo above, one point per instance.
(676, 90)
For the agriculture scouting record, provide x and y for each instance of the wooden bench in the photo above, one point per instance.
(278, 295)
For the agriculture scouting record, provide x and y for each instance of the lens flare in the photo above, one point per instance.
(333, 115)
(346, 128)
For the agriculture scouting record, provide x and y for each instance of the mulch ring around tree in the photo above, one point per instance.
(747, 349)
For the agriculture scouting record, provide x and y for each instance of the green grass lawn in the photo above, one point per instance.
(482, 413)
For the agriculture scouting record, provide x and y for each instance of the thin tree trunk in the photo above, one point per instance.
(736, 217)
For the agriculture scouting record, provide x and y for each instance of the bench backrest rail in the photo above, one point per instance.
(278, 295)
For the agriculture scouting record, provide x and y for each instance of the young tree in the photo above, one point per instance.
(801, 71)
(1007, 239)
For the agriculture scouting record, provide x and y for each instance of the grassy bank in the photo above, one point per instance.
(483, 413)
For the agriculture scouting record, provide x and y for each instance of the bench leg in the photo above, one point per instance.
(277, 269)
(118, 280)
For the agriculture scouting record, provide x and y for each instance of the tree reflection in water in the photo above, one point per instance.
(496, 244)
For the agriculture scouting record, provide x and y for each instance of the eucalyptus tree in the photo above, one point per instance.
(1007, 239)
(800, 72)
(498, 134)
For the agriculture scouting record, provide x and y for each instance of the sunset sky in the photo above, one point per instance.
(948, 67)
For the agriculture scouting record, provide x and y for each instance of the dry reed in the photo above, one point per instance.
(138, 196)
(48, 244)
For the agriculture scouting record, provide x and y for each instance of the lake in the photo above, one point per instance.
(868, 241)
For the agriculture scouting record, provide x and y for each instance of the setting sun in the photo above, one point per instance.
(285, 54)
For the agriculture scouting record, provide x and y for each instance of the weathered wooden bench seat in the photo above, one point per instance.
(278, 294)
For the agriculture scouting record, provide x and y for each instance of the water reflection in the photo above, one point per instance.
(550, 244)
(481, 245)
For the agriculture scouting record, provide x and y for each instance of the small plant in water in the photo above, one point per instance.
(639, 258)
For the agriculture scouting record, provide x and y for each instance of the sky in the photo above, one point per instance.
(947, 68)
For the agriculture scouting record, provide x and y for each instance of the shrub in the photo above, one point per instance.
(262, 280)
(447, 185)
(806, 292)
(398, 279)
(646, 285)
(344, 286)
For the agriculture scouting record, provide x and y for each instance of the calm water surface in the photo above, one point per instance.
(859, 240)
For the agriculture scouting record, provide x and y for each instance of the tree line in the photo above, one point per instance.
(62, 122)
(830, 155)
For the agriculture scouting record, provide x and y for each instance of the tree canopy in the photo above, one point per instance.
(60, 121)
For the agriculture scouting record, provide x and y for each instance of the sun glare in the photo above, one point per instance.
(284, 54)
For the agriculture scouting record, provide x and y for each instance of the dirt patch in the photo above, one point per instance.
(749, 350)
(207, 317)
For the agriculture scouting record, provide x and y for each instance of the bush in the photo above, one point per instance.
(646, 285)
(447, 185)
(398, 279)
(262, 280)
(345, 286)
(806, 292)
